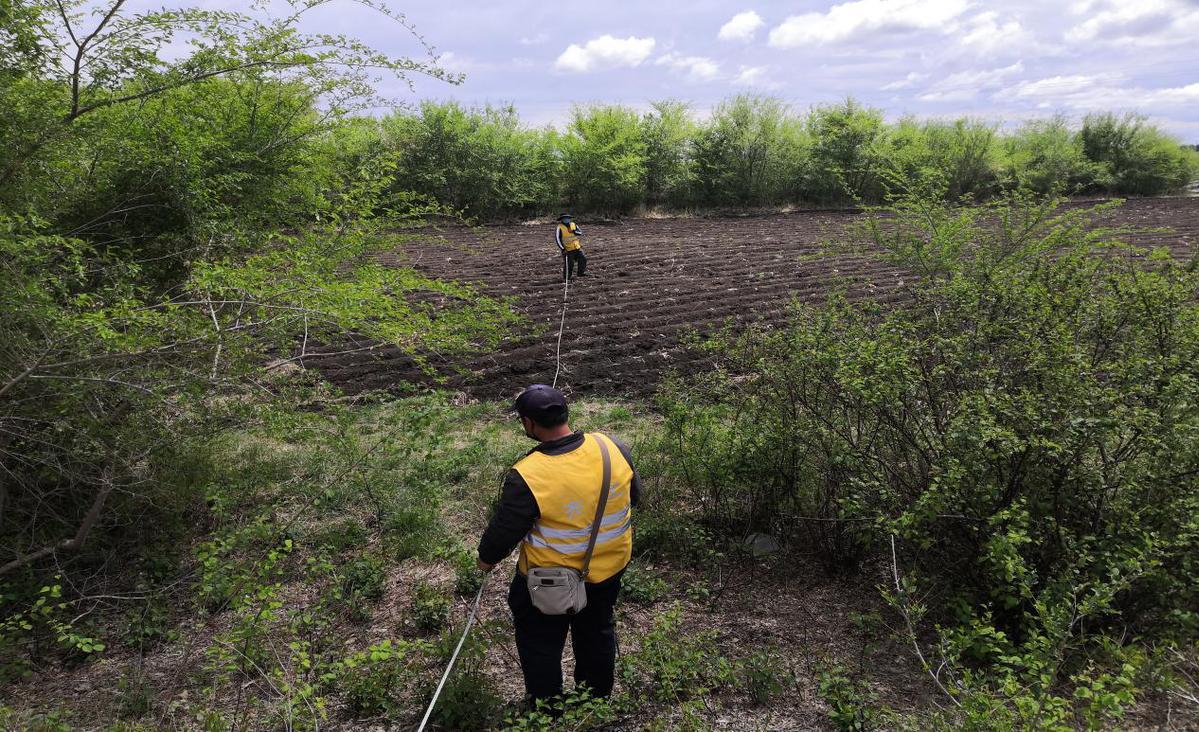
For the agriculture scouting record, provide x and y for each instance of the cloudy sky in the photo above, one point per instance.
(1004, 60)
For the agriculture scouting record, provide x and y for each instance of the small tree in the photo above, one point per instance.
(1046, 157)
(848, 152)
(603, 159)
(1134, 156)
(748, 153)
(669, 135)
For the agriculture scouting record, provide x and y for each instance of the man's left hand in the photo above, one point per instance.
(484, 566)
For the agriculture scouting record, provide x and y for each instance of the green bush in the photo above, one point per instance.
(642, 585)
(481, 161)
(1046, 157)
(467, 577)
(851, 703)
(1136, 157)
(669, 132)
(965, 153)
(764, 676)
(364, 577)
(848, 153)
(749, 153)
(1026, 427)
(603, 159)
(377, 681)
(430, 608)
(576, 711)
(673, 666)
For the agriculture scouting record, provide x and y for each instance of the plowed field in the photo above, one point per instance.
(649, 281)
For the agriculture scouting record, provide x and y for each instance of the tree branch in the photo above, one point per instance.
(907, 619)
(72, 544)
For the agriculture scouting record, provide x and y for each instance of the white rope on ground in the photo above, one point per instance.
(561, 323)
(474, 613)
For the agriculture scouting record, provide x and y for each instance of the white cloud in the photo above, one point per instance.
(966, 85)
(451, 61)
(754, 76)
(1091, 92)
(848, 20)
(1179, 95)
(605, 52)
(536, 40)
(741, 27)
(699, 68)
(908, 81)
(1059, 87)
(987, 36)
(1144, 23)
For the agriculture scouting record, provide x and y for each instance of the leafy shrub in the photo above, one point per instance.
(32, 625)
(669, 132)
(668, 535)
(375, 681)
(364, 577)
(1024, 427)
(430, 608)
(641, 585)
(851, 704)
(362, 582)
(345, 533)
(470, 699)
(965, 153)
(848, 152)
(603, 159)
(576, 711)
(1046, 157)
(764, 676)
(135, 694)
(409, 530)
(672, 665)
(482, 161)
(748, 154)
(467, 577)
(48, 722)
(1135, 157)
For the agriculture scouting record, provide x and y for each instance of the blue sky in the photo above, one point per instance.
(1006, 61)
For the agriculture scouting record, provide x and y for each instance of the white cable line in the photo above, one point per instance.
(474, 612)
(562, 323)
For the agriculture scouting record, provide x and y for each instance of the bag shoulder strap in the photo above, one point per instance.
(603, 499)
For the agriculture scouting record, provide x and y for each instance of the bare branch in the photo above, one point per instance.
(72, 544)
(907, 619)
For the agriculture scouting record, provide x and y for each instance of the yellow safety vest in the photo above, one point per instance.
(567, 489)
(570, 240)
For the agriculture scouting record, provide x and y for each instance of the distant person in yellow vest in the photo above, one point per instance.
(548, 506)
(569, 238)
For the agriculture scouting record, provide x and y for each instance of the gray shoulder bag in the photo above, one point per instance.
(562, 590)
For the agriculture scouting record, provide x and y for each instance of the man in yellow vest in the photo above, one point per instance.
(548, 506)
(569, 238)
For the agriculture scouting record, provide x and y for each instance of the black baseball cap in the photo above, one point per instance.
(563, 216)
(543, 404)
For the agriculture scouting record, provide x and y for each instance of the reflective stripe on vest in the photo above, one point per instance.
(567, 488)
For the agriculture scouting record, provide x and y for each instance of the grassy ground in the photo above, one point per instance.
(325, 576)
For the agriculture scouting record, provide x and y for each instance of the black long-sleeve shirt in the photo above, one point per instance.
(518, 510)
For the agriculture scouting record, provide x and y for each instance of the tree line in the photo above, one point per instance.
(756, 151)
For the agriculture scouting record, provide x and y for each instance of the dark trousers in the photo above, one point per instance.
(571, 260)
(540, 639)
